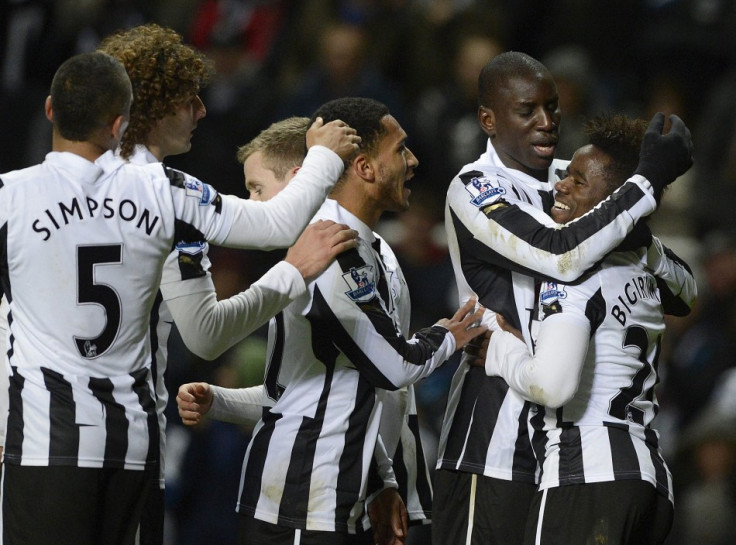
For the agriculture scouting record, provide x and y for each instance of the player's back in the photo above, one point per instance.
(83, 251)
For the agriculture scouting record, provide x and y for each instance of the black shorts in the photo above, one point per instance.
(252, 531)
(491, 511)
(630, 512)
(61, 504)
(151, 531)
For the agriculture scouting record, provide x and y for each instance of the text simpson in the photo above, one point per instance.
(126, 210)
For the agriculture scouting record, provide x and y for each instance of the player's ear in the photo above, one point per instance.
(292, 172)
(49, 110)
(118, 127)
(487, 120)
(363, 167)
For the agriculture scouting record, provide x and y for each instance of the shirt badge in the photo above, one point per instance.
(361, 283)
(550, 296)
(483, 191)
(199, 190)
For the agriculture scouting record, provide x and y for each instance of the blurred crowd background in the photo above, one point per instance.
(276, 58)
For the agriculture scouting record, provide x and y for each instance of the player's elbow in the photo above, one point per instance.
(205, 350)
(558, 396)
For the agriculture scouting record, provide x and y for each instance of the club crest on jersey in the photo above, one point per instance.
(483, 191)
(549, 297)
(199, 190)
(361, 283)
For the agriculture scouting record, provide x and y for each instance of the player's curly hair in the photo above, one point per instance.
(620, 138)
(165, 73)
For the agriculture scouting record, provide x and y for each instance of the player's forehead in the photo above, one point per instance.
(529, 89)
(395, 134)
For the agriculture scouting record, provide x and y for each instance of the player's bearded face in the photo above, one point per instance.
(395, 166)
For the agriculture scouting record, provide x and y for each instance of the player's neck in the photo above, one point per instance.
(87, 150)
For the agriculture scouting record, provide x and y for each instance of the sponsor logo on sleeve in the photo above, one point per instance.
(361, 282)
(191, 248)
(483, 191)
(199, 190)
(550, 296)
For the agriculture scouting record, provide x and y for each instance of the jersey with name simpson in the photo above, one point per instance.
(83, 247)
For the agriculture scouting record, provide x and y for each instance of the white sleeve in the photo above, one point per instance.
(678, 279)
(278, 222)
(385, 469)
(4, 378)
(513, 234)
(242, 406)
(208, 327)
(551, 376)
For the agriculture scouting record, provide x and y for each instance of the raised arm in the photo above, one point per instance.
(508, 232)
(226, 220)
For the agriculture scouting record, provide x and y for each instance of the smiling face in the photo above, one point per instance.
(585, 185)
(394, 166)
(172, 135)
(524, 122)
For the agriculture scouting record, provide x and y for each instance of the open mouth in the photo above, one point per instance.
(545, 150)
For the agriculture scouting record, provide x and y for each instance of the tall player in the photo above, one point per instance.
(84, 236)
(593, 373)
(167, 76)
(500, 238)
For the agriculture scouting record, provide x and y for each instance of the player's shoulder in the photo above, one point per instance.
(17, 176)
(481, 187)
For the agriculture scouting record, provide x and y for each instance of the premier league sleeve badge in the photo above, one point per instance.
(362, 283)
(484, 191)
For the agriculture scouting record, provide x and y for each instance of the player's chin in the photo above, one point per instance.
(560, 216)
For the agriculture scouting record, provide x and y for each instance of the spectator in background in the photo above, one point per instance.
(580, 97)
(445, 116)
(343, 67)
(239, 37)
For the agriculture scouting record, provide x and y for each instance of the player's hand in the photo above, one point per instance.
(477, 349)
(318, 246)
(194, 400)
(465, 324)
(665, 157)
(389, 520)
(505, 325)
(336, 135)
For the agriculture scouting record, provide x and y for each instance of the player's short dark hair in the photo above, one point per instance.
(502, 68)
(620, 138)
(362, 114)
(88, 91)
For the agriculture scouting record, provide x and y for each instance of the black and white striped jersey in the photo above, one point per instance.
(500, 237)
(332, 353)
(604, 432)
(189, 260)
(83, 245)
